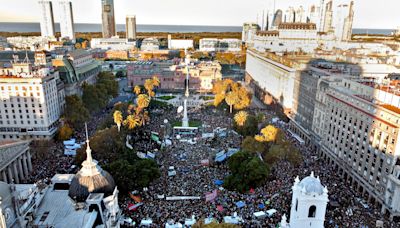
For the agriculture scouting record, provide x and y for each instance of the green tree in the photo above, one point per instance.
(64, 132)
(249, 128)
(248, 171)
(107, 146)
(75, 112)
(119, 74)
(252, 146)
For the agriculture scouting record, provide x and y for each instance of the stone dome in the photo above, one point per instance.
(312, 185)
(90, 179)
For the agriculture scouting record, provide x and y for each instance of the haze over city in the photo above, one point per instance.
(369, 13)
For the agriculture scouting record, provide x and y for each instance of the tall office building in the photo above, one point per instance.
(344, 21)
(326, 24)
(66, 20)
(47, 19)
(107, 7)
(131, 27)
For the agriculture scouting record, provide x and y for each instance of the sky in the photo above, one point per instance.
(368, 13)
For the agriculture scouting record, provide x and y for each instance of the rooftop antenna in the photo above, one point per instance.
(88, 150)
(26, 60)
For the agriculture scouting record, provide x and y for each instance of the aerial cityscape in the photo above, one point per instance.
(289, 119)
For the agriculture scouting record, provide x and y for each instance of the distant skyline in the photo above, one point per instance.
(368, 14)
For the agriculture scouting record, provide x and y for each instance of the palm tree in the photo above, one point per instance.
(118, 118)
(156, 81)
(240, 118)
(231, 99)
(136, 90)
(149, 86)
(132, 121)
(143, 101)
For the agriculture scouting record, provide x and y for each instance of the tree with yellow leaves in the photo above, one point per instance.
(143, 101)
(137, 90)
(240, 118)
(132, 121)
(156, 81)
(149, 86)
(118, 119)
(231, 99)
(268, 134)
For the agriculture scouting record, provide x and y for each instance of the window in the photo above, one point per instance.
(311, 211)
(297, 203)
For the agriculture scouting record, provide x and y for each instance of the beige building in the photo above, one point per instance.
(31, 102)
(15, 161)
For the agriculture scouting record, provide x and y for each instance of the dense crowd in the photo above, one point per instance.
(195, 179)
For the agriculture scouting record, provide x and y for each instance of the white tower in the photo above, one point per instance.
(47, 19)
(66, 20)
(309, 203)
(185, 119)
(131, 27)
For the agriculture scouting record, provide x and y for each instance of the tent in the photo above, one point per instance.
(69, 142)
(209, 220)
(218, 182)
(69, 152)
(146, 222)
(261, 206)
(150, 155)
(220, 153)
(220, 158)
(232, 151)
(141, 155)
(190, 221)
(271, 212)
(233, 219)
(172, 224)
(259, 214)
(240, 204)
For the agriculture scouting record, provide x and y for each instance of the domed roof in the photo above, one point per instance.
(312, 185)
(81, 185)
(90, 179)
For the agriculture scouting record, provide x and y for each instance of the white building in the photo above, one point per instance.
(67, 20)
(179, 44)
(213, 44)
(289, 37)
(57, 205)
(131, 27)
(31, 101)
(249, 30)
(113, 43)
(309, 201)
(150, 44)
(47, 19)
(343, 21)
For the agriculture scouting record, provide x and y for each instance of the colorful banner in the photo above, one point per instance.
(133, 207)
(212, 195)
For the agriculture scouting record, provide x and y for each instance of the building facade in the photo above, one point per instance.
(108, 18)
(131, 27)
(113, 43)
(222, 45)
(67, 20)
(47, 19)
(75, 69)
(32, 102)
(15, 161)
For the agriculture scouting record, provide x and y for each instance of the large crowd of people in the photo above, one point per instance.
(196, 179)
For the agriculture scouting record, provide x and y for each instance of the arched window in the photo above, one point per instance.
(297, 203)
(311, 211)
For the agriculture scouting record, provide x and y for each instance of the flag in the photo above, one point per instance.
(211, 195)
(133, 207)
(220, 208)
(137, 199)
(252, 191)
